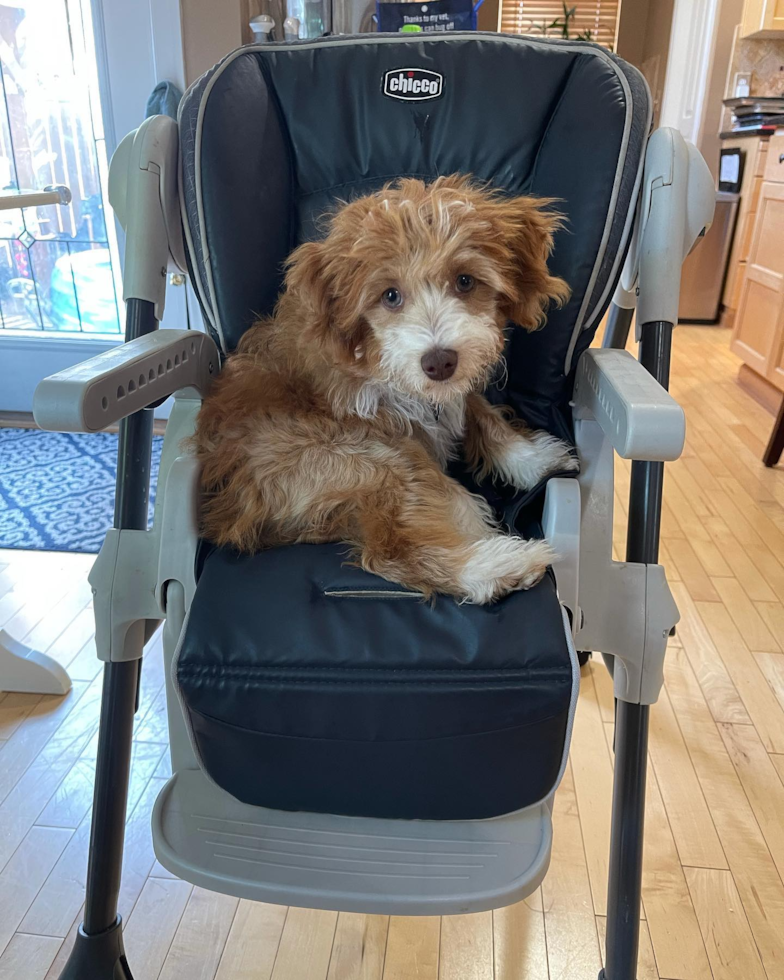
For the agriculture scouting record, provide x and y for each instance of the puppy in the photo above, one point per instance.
(335, 418)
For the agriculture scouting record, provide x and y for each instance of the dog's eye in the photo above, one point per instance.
(392, 298)
(464, 283)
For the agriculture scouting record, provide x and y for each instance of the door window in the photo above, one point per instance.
(59, 266)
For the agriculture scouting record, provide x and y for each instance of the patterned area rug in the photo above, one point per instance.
(57, 488)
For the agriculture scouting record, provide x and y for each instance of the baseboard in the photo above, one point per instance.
(760, 389)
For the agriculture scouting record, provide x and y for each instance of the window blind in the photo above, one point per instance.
(600, 17)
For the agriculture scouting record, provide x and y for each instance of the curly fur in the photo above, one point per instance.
(324, 426)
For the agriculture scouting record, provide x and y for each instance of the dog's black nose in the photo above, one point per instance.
(439, 363)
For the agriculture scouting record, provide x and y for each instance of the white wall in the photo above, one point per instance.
(692, 41)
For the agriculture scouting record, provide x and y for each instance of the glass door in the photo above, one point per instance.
(59, 266)
(75, 76)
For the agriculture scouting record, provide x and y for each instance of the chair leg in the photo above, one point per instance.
(631, 720)
(619, 322)
(775, 445)
(626, 844)
(98, 953)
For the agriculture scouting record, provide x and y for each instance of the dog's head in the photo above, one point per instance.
(413, 286)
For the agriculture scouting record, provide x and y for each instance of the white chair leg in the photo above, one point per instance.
(27, 670)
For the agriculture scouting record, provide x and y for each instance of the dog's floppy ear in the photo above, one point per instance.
(307, 278)
(525, 229)
(314, 282)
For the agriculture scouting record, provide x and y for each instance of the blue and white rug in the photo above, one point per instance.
(57, 488)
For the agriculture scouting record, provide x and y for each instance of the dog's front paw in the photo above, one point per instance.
(529, 458)
(500, 564)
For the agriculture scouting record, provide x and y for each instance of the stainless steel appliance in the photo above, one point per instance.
(705, 269)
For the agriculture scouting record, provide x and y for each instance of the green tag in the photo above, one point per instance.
(411, 29)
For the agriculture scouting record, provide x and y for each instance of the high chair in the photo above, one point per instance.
(335, 742)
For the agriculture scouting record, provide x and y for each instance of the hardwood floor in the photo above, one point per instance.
(714, 859)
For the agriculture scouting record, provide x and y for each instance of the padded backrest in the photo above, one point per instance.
(274, 134)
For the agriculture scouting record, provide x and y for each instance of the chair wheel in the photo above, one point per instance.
(583, 656)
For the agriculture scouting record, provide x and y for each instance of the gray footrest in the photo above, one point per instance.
(351, 864)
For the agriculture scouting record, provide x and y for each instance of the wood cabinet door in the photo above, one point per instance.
(756, 152)
(759, 322)
(774, 15)
(776, 373)
(753, 17)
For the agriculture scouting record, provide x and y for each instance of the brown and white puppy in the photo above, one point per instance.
(335, 418)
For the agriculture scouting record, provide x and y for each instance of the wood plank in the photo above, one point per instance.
(742, 567)
(720, 693)
(253, 941)
(69, 647)
(570, 923)
(21, 808)
(726, 932)
(755, 873)
(466, 947)
(646, 961)
(760, 701)
(688, 814)
(772, 614)
(761, 523)
(772, 666)
(151, 927)
(305, 945)
(675, 934)
(24, 874)
(593, 783)
(58, 618)
(73, 797)
(138, 857)
(359, 947)
(198, 943)
(761, 782)
(670, 566)
(40, 725)
(23, 608)
(58, 903)
(745, 616)
(412, 948)
(57, 967)
(14, 708)
(692, 571)
(85, 665)
(28, 957)
(520, 943)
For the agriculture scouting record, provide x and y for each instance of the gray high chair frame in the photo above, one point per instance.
(621, 405)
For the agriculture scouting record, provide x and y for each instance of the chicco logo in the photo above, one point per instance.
(413, 84)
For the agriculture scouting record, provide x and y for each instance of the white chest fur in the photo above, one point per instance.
(443, 425)
(445, 428)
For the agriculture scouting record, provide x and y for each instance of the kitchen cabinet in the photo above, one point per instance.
(756, 150)
(758, 337)
(762, 18)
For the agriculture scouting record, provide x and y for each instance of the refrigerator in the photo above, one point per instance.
(705, 268)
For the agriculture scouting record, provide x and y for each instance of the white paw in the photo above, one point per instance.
(528, 459)
(501, 564)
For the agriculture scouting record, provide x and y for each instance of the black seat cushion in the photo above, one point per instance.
(311, 685)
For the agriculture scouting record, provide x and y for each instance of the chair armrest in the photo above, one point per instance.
(640, 418)
(119, 382)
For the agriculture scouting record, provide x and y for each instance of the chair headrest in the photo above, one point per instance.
(274, 134)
